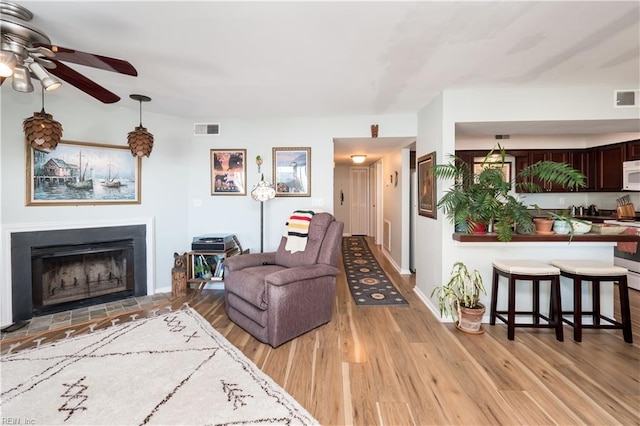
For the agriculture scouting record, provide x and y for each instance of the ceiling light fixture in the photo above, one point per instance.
(8, 62)
(358, 159)
(41, 130)
(140, 141)
(21, 80)
(48, 82)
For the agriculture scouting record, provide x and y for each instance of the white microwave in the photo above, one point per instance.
(631, 175)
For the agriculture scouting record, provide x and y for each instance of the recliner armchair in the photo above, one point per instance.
(280, 295)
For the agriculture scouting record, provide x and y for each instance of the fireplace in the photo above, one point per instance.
(66, 277)
(64, 269)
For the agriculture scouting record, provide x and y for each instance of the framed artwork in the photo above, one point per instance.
(506, 169)
(228, 172)
(292, 172)
(427, 186)
(82, 173)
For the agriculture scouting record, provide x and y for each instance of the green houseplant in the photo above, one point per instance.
(461, 294)
(484, 196)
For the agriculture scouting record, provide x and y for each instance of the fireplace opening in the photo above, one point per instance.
(71, 276)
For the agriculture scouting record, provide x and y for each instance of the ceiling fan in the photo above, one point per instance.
(26, 52)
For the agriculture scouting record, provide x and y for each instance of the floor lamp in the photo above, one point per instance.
(262, 192)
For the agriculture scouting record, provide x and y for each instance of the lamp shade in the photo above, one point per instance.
(263, 191)
(140, 142)
(42, 131)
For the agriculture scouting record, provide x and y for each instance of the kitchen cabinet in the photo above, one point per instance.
(557, 155)
(584, 160)
(633, 150)
(609, 160)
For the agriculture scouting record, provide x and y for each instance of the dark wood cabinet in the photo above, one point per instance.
(602, 166)
(584, 160)
(557, 155)
(633, 150)
(609, 160)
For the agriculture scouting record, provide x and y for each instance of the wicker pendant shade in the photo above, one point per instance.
(41, 130)
(140, 140)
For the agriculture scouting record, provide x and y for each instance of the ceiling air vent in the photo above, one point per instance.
(206, 129)
(627, 98)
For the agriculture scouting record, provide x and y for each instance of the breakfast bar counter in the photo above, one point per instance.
(530, 238)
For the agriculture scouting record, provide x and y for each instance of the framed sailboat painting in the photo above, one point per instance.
(82, 173)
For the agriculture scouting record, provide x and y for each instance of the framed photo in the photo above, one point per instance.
(82, 173)
(506, 169)
(228, 172)
(292, 172)
(427, 186)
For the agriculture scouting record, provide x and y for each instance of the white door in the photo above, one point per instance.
(359, 200)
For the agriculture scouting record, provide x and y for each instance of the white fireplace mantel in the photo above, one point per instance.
(6, 313)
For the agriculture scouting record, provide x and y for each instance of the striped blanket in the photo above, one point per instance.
(298, 230)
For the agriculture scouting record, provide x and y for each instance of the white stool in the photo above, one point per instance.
(596, 272)
(527, 270)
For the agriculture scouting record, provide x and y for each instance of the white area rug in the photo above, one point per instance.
(170, 369)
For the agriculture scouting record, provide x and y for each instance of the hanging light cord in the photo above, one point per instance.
(43, 111)
(141, 113)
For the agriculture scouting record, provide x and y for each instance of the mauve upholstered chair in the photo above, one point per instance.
(280, 295)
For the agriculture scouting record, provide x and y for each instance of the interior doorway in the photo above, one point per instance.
(359, 206)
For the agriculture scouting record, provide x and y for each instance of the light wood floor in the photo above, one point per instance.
(401, 366)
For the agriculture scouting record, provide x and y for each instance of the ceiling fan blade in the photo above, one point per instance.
(83, 83)
(90, 60)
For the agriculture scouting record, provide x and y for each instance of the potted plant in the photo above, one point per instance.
(461, 294)
(542, 222)
(485, 196)
(565, 224)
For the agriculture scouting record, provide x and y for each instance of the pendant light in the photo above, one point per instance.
(140, 141)
(41, 130)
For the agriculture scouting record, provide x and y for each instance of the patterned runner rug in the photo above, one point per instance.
(170, 369)
(368, 283)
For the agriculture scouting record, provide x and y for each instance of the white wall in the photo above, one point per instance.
(436, 132)
(341, 183)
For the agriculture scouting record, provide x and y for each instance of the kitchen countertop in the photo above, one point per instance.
(577, 238)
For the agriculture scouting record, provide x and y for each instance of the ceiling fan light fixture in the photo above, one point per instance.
(42, 131)
(140, 140)
(21, 80)
(48, 81)
(359, 158)
(8, 62)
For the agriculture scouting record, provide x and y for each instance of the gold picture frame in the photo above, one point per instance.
(228, 171)
(427, 205)
(292, 171)
(78, 173)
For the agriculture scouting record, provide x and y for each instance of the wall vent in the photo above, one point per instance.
(626, 98)
(502, 136)
(386, 235)
(206, 129)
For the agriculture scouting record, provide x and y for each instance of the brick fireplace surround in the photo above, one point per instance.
(20, 239)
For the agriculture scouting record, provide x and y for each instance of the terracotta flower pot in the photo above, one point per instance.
(543, 225)
(470, 320)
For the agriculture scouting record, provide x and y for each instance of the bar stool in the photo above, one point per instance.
(597, 272)
(527, 270)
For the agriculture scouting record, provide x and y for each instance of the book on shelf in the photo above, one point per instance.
(219, 269)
